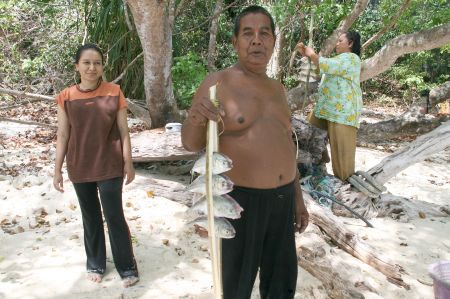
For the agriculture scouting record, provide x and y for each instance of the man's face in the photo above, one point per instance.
(255, 42)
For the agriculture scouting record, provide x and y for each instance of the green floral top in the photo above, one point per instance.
(339, 95)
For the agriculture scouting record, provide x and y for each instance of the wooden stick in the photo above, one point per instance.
(211, 147)
(25, 122)
(26, 94)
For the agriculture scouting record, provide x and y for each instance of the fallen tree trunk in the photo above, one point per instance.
(351, 243)
(396, 207)
(329, 223)
(409, 123)
(25, 122)
(416, 151)
(317, 257)
(439, 94)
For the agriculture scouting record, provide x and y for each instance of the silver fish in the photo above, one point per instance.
(224, 206)
(220, 163)
(223, 227)
(221, 184)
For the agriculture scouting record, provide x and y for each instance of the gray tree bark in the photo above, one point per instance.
(213, 36)
(439, 94)
(154, 23)
(409, 43)
(416, 151)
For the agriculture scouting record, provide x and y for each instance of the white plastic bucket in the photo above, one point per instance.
(440, 272)
(173, 127)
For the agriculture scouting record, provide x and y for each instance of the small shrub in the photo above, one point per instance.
(188, 72)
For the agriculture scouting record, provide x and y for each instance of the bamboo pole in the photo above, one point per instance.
(215, 242)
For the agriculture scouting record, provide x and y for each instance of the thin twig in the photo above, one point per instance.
(127, 67)
(388, 26)
(33, 123)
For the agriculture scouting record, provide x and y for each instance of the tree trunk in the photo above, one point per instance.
(330, 43)
(351, 243)
(397, 207)
(274, 67)
(421, 148)
(213, 36)
(439, 94)
(154, 22)
(409, 123)
(314, 255)
(409, 43)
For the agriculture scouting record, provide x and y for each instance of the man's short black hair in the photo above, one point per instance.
(252, 9)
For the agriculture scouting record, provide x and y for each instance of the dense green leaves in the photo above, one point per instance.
(187, 74)
(39, 37)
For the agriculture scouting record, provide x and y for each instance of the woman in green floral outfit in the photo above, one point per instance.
(339, 101)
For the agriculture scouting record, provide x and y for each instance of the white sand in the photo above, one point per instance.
(49, 261)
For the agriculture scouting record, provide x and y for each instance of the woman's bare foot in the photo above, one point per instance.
(130, 281)
(95, 277)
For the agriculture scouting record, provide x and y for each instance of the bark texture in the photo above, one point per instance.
(409, 43)
(416, 151)
(211, 59)
(439, 94)
(154, 22)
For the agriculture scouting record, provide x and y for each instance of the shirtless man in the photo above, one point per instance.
(257, 137)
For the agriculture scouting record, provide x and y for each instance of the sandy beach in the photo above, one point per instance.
(41, 241)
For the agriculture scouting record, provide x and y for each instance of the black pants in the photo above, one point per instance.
(94, 234)
(265, 240)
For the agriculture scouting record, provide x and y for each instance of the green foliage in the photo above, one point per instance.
(188, 72)
(107, 27)
(290, 82)
(39, 39)
(38, 42)
(414, 72)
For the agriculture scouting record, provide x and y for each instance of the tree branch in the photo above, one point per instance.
(345, 24)
(26, 94)
(126, 68)
(25, 122)
(409, 43)
(406, 4)
(127, 16)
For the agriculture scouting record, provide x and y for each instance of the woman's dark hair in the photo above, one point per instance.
(355, 39)
(85, 47)
(252, 9)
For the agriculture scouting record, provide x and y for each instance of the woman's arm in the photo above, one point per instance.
(341, 65)
(61, 148)
(308, 52)
(128, 168)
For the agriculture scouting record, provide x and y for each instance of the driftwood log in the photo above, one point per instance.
(340, 279)
(409, 123)
(329, 223)
(416, 151)
(312, 142)
(352, 244)
(313, 256)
